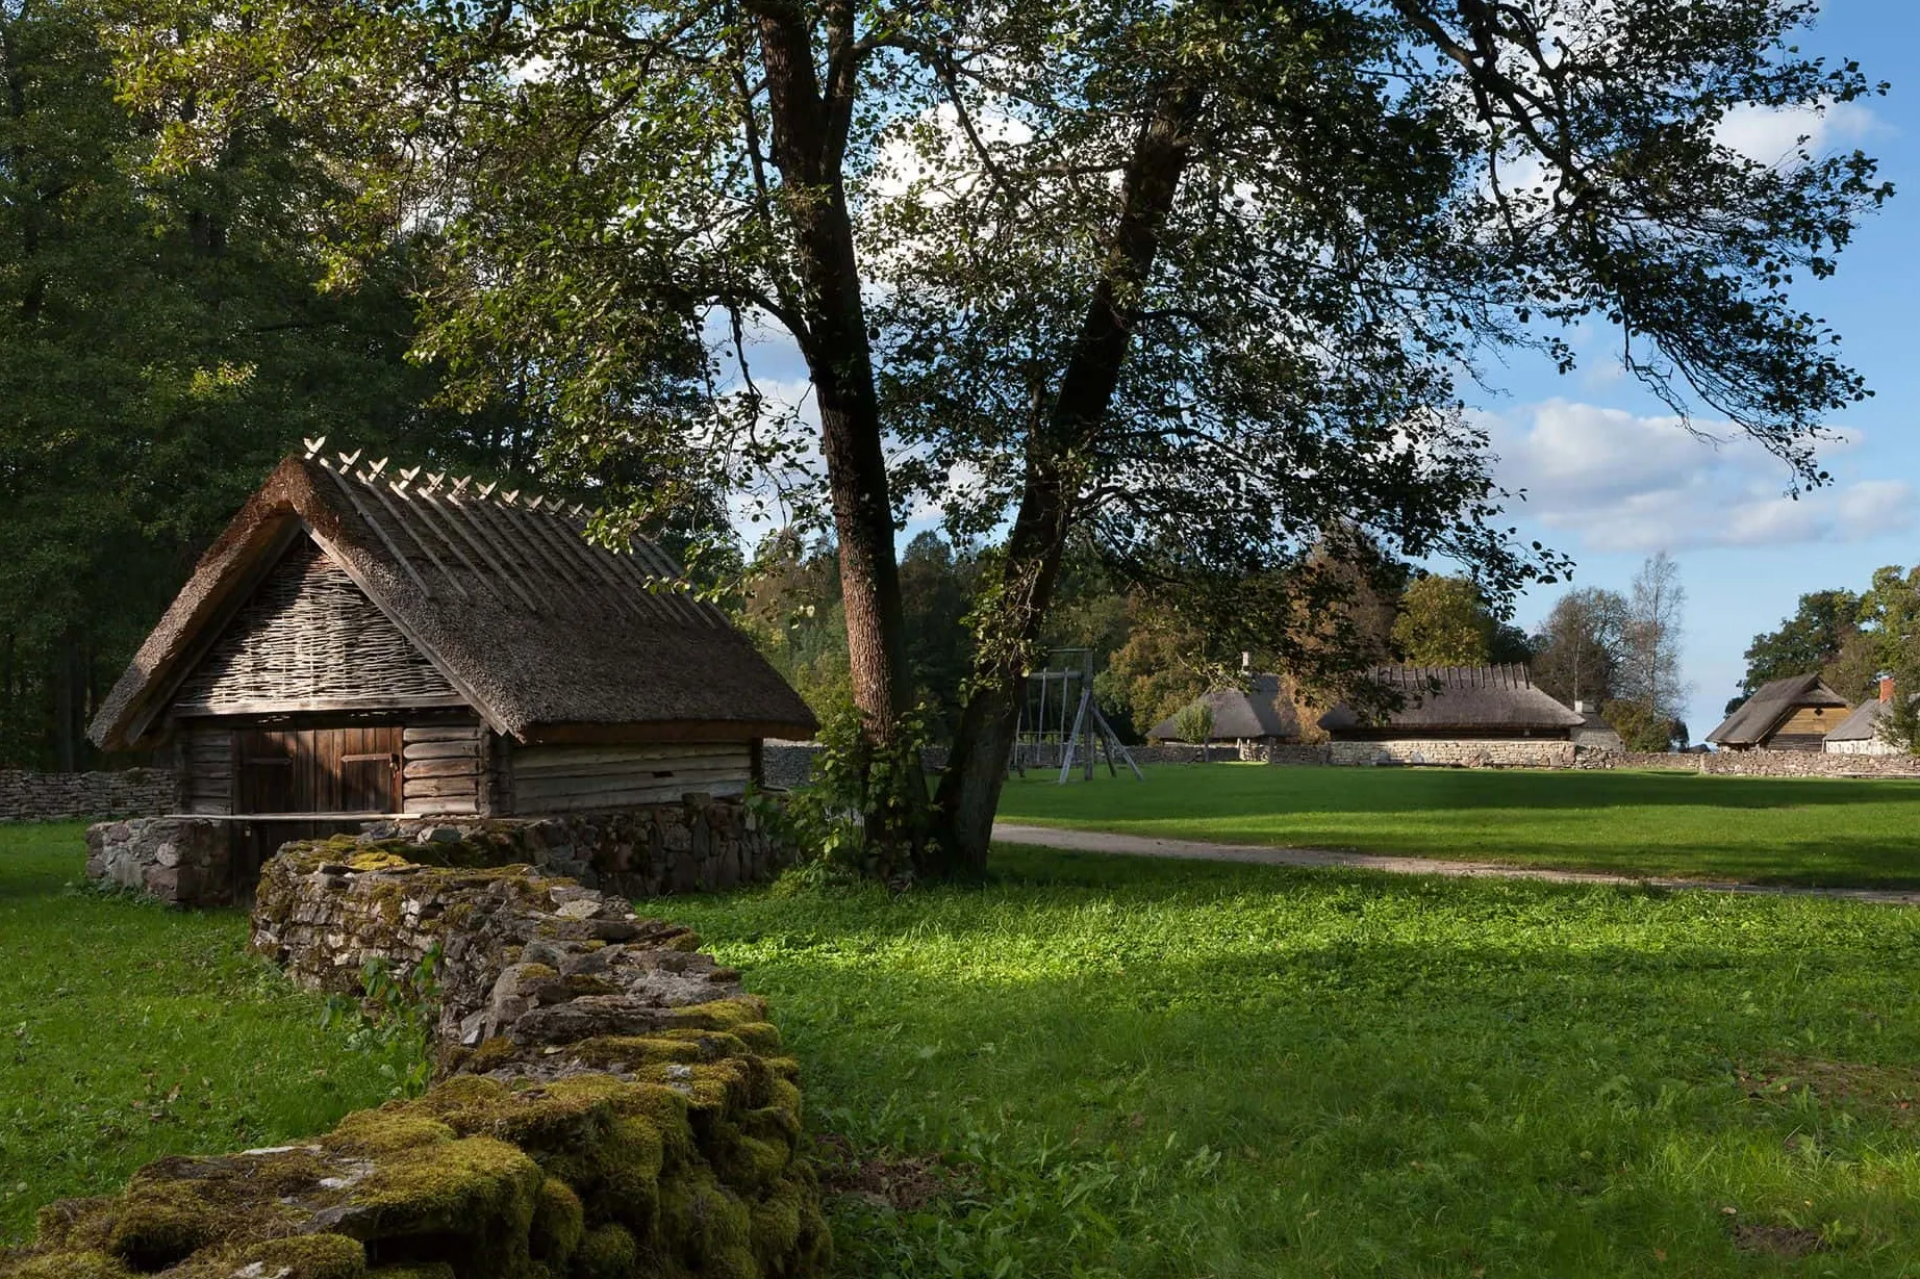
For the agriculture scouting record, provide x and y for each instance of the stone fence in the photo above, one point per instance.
(609, 1103)
(701, 844)
(46, 797)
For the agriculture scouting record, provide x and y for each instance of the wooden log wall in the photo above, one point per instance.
(571, 779)
(443, 767)
(206, 770)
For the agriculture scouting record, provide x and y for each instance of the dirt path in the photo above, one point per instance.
(1100, 841)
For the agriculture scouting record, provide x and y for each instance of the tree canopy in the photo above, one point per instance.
(1195, 280)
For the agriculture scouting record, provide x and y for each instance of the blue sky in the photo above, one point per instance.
(1612, 478)
(1613, 481)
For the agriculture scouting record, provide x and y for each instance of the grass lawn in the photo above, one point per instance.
(129, 1032)
(1145, 1068)
(1767, 830)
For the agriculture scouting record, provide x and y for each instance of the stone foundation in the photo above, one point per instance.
(182, 860)
(609, 1104)
(701, 844)
(46, 797)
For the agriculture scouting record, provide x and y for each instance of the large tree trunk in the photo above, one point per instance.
(1055, 476)
(809, 136)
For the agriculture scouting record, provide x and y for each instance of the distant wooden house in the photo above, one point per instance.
(1791, 714)
(357, 645)
(1859, 732)
(1259, 714)
(1457, 703)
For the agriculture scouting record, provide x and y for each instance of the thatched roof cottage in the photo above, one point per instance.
(1457, 702)
(359, 643)
(1791, 714)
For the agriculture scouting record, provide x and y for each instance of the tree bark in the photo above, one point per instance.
(809, 136)
(1055, 472)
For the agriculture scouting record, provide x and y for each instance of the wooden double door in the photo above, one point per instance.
(317, 770)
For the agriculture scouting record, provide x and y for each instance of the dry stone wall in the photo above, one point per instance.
(45, 797)
(186, 861)
(1466, 753)
(609, 1103)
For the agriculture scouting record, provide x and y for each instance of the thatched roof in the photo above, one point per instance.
(1478, 698)
(1756, 718)
(1259, 710)
(546, 635)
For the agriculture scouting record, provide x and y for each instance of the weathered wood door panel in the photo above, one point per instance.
(318, 770)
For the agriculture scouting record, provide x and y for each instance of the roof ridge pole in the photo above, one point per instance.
(662, 602)
(495, 557)
(429, 503)
(431, 519)
(555, 555)
(387, 504)
(649, 608)
(638, 549)
(533, 543)
(485, 516)
(381, 533)
(670, 570)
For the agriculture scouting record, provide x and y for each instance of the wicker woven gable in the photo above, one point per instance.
(547, 636)
(309, 638)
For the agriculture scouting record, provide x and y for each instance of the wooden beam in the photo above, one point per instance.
(369, 702)
(491, 522)
(533, 524)
(609, 573)
(442, 522)
(490, 549)
(379, 530)
(387, 505)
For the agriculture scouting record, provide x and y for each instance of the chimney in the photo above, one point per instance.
(1886, 688)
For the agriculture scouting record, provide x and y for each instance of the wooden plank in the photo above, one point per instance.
(286, 705)
(530, 796)
(442, 733)
(466, 767)
(641, 768)
(629, 799)
(438, 806)
(573, 757)
(442, 750)
(439, 786)
(386, 540)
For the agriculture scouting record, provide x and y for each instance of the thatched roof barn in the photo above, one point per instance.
(1259, 712)
(364, 642)
(1791, 714)
(1456, 702)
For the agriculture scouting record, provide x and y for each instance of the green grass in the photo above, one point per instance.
(1145, 1068)
(1765, 830)
(129, 1032)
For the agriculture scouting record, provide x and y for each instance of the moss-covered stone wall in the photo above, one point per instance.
(610, 1104)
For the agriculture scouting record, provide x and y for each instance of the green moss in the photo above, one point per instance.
(476, 1192)
(606, 1253)
(588, 984)
(414, 1270)
(162, 1222)
(83, 1225)
(558, 1222)
(393, 1127)
(779, 1221)
(65, 1265)
(322, 1256)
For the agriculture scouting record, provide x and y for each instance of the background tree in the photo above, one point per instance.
(1649, 676)
(1581, 646)
(1813, 639)
(1194, 279)
(1444, 622)
(162, 344)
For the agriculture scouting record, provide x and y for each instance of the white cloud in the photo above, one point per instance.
(1618, 481)
(1772, 134)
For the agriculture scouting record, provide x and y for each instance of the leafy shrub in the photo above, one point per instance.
(863, 812)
